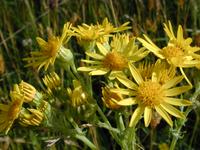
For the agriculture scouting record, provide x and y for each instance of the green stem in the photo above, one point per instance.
(86, 141)
(81, 136)
(113, 134)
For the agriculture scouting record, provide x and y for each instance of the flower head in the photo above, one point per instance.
(150, 95)
(88, 35)
(178, 52)
(10, 112)
(123, 50)
(50, 49)
(108, 96)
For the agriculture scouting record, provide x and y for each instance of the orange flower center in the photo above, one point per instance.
(115, 61)
(53, 46)
(150, 93)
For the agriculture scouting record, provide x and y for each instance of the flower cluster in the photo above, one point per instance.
(134, 84)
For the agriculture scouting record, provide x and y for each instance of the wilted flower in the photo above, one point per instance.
(150, 95)
(123, 50)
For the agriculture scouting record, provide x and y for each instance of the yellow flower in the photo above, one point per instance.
(77, 96)
(164, 71)
(10, 112)
(150, 95)
(123, 50)
(178, 52)
(50, 49)
(108, 95)
(88, 35)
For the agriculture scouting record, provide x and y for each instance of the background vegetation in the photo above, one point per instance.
(22, 20)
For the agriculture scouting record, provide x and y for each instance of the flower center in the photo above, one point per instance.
(54, 46)
(115, 61)
(150, 93)
(172, 51)
(14, 109)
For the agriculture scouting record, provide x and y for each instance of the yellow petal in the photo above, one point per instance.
(135, 73)
(147, 116)
(86, 68)
(124, 91)
(164, 115)
(98, 72)
(180, 33)
(177, 102)
(126, 102)
(42, 43)
(95, 55)
(172, 110)
(102, 49)
(136, 116)
(128, 83)
(4, 107)
(176, 91)
(172, 82)
(91, 61)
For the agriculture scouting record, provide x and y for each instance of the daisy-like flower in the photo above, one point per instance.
(50, 50)
(115, 59)
(178, 52)
(10, 112)
(150, 95)
(88, 35)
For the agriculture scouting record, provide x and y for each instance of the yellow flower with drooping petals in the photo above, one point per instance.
(178, 52)
(150, 95)
(115, 59)
(50, 49)
(10, 112)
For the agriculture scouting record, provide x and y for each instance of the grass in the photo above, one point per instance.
(22, 21)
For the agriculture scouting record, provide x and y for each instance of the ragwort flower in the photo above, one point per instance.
(178, 52)
(88, 35)
(10, 112)
(50, 50)
(115, 59)
(150, 95)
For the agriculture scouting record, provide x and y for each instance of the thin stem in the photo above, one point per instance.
(86, 141)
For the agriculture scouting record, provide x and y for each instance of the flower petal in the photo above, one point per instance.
(147, 116)
(136, 116)
(172, 82)
(126, 102)
(98, 72)
(177, 90)
(177, 102)
(164, 115)
(95, 55)
(102, 49)
(135, 73)
(124, 91)
(42, 43)
(172, 110)
(128, 83)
